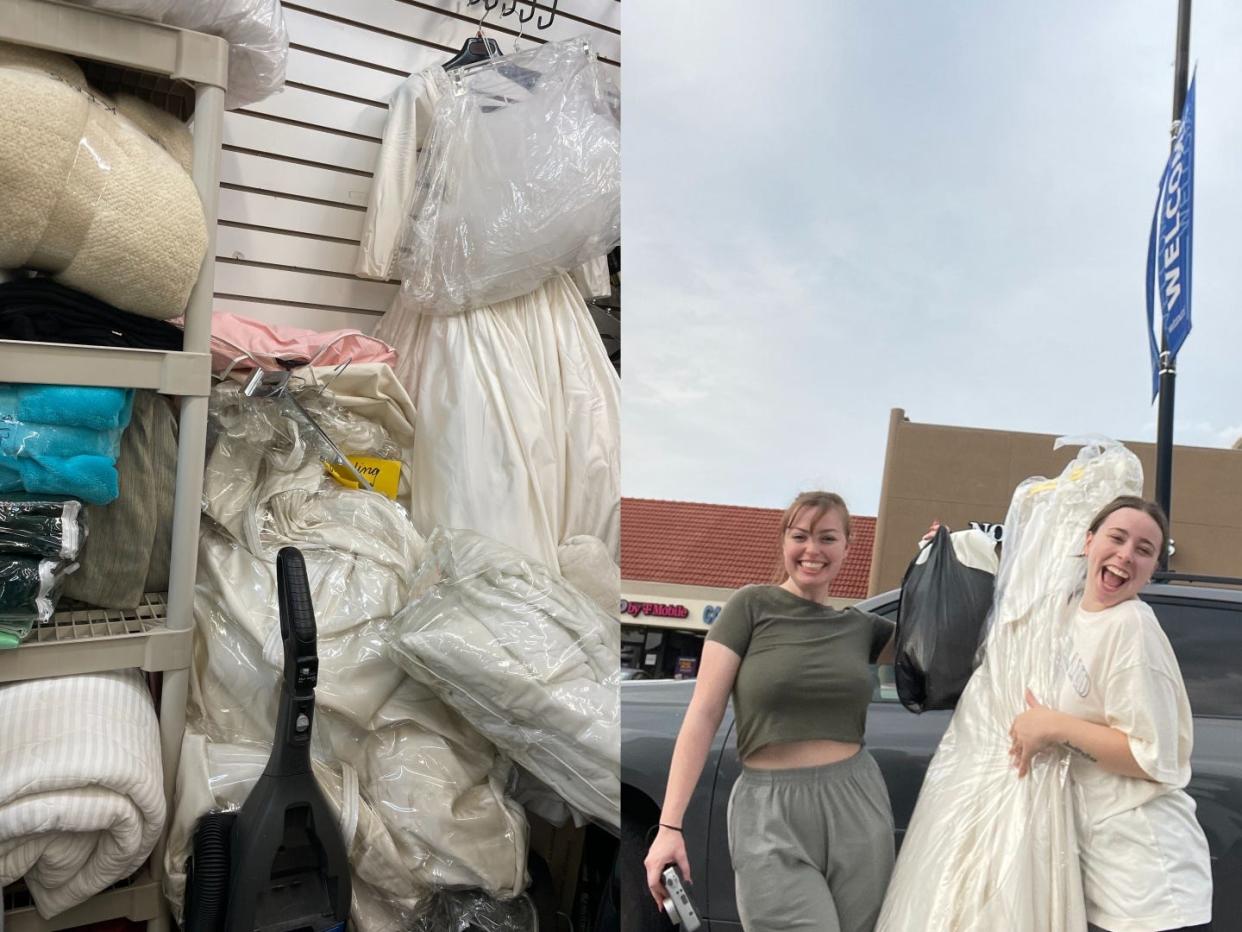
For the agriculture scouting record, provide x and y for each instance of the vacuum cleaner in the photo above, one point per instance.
(278, 864)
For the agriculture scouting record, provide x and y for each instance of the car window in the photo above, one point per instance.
(884, 682)
(1207, 639)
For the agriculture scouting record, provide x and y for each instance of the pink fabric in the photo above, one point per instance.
(242, 343)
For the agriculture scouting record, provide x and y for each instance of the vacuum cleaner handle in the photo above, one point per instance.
(291, 750)
(289, 864)
(297, 614)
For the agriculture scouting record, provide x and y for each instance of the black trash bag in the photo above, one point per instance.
(940, 619)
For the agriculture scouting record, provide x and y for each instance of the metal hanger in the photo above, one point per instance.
(274, 383)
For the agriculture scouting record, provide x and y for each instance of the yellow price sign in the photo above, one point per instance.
(384, 475)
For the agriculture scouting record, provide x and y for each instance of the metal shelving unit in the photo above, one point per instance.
(149, 59)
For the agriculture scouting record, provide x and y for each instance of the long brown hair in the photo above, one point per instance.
(1151, 509)
(820, 504)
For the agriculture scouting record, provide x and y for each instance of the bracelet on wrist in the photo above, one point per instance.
(675, 828)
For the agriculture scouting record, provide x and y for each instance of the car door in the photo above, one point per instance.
(901, 741)
(1206, 635)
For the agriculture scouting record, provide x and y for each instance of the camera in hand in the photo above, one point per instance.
(677, 905)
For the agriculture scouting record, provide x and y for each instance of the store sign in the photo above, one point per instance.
(653, 609)
(994, 531)
(710, 613)
(687, 668)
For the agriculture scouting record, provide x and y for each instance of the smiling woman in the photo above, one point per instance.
(810, 825)
(815, 534)
(1123, 712)
(1124, 544)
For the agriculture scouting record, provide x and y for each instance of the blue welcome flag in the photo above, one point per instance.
(1169, 246)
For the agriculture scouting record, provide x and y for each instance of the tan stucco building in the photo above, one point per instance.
(963, 475)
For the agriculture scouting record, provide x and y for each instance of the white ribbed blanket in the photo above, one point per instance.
(81, 784)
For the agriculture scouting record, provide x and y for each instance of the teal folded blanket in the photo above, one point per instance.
(67, 405)
(22, 438)
(93, 479)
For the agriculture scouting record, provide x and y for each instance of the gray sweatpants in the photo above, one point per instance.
(812, 847)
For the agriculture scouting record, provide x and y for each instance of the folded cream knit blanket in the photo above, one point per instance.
(89, 196)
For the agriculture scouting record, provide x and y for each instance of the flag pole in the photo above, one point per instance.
(1168, 363)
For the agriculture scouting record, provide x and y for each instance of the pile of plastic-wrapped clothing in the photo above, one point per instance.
(424, 787)
(984, 849)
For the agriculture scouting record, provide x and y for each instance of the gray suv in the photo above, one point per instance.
(1203, 624)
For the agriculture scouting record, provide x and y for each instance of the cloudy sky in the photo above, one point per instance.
(833, 209)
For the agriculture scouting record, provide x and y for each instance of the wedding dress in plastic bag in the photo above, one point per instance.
(986, 850)
(531, 662)
(519, 179)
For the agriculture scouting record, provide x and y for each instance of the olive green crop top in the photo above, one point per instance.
(805, 671)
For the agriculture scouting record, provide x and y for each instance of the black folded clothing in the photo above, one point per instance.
(27, 587)
(41, 527)
(42, 310)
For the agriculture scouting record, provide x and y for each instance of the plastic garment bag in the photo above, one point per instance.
(528, 660)
(255, 30)
(986, 850)
(945, 598)
(520, 179)
(471, 911)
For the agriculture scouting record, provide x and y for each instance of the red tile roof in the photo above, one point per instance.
(722, 546)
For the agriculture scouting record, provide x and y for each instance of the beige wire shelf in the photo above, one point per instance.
(181, 71)
(136, 898)
(92, 640)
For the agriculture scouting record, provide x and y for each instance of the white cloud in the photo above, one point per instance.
(832, 210)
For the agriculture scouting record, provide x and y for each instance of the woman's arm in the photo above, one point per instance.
(888, 653)
(1040, 727)
(718, 667)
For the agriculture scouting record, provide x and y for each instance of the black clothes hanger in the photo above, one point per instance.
(475, 49)
(479, 48)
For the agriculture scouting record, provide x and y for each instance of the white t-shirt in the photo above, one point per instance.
(1144, 856)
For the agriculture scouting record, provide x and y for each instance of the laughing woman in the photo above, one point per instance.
(810, 827)
(1122, 711)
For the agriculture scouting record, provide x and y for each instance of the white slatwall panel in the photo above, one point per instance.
(276, 212)
(280, 176)
(296, 167)
(315, 71)
(308, 316)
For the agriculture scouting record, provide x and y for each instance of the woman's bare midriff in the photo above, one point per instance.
(801, 754)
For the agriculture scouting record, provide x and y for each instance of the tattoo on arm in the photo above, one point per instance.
(1075, 748)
